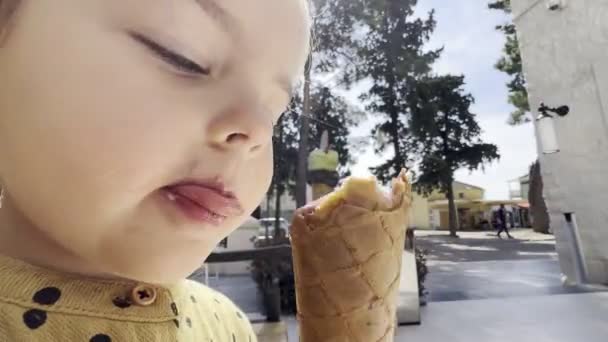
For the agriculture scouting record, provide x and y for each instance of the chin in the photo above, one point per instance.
(158, 270)
(159, 277)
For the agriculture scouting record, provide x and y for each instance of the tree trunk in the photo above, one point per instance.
(538, 207)
(390, 98)
(268, 213)
(304, 131)
(277, 210)
(452, 210)
(268, 201)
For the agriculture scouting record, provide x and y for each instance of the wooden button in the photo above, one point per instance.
(143, 295)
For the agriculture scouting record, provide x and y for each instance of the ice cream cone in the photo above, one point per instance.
(347, 251)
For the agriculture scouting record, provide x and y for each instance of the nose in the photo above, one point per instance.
(240, 130)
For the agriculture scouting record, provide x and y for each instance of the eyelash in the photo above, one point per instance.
(174, 59)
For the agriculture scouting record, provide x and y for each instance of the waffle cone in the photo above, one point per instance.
(347, 251)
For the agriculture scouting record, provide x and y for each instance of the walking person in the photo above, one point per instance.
(502, 222)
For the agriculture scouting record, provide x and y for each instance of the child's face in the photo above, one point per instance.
(98, 113)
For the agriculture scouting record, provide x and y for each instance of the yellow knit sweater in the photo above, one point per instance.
(38, 305)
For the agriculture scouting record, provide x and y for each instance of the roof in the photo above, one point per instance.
(469, 185)
(505, 202)
(442, 203)
(523, 179)
(464, 184)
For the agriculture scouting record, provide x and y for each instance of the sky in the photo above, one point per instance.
(465, 28)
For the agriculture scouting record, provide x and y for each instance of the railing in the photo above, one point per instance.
(249, 254)
(273, 301)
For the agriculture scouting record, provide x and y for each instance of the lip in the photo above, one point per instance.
(206, 202)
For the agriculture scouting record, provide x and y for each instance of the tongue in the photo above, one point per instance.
(209, 199)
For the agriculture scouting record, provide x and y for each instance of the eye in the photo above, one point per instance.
(174, 59)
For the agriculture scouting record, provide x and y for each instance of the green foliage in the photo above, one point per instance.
(391, 54)
(511, 64)
(334, 25)
(331, 113)
(422, 270)
(445, 133)
(538, 206)
(334, 30)
(285, 145)
(265, 272)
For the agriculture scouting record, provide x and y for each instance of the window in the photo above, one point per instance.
(461, 195)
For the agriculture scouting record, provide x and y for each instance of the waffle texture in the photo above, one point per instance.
(347, 251)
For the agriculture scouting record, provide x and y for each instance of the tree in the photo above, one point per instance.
(337, 117)
(391, 54)
(447, 137)
(333, 27)
(334, 115)
(538, 207)
(511, 64)
(285, 145)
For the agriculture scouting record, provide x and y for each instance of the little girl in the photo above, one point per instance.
(134, 136)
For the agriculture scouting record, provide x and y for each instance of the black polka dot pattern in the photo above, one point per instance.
(34, 318)
(47, 296)
(100, 338)
(121, 302)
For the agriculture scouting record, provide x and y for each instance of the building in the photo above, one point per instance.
(474, 212)
(288, 204)
(563, 45)
(519, 188)
(240, 239)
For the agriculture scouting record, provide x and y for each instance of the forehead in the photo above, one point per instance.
(269, 33)
(269, 29)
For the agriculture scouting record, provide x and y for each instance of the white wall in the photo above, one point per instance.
(288, 203)
(435, 218)
(566, 63)
(240, 239)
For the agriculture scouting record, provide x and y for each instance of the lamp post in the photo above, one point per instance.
(546, 127)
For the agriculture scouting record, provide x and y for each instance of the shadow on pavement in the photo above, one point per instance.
(445, 248)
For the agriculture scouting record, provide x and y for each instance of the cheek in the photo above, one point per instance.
(87, 144)
(255, 177)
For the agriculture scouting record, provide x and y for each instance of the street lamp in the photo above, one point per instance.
(546, 127)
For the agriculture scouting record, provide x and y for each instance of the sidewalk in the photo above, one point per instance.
(496, 279)
(519, 233)
(557, 318)
(485, 289)
(561, 318)
(484, 246)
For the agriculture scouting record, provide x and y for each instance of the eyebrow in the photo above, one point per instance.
(218, 14)
(223, 19)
